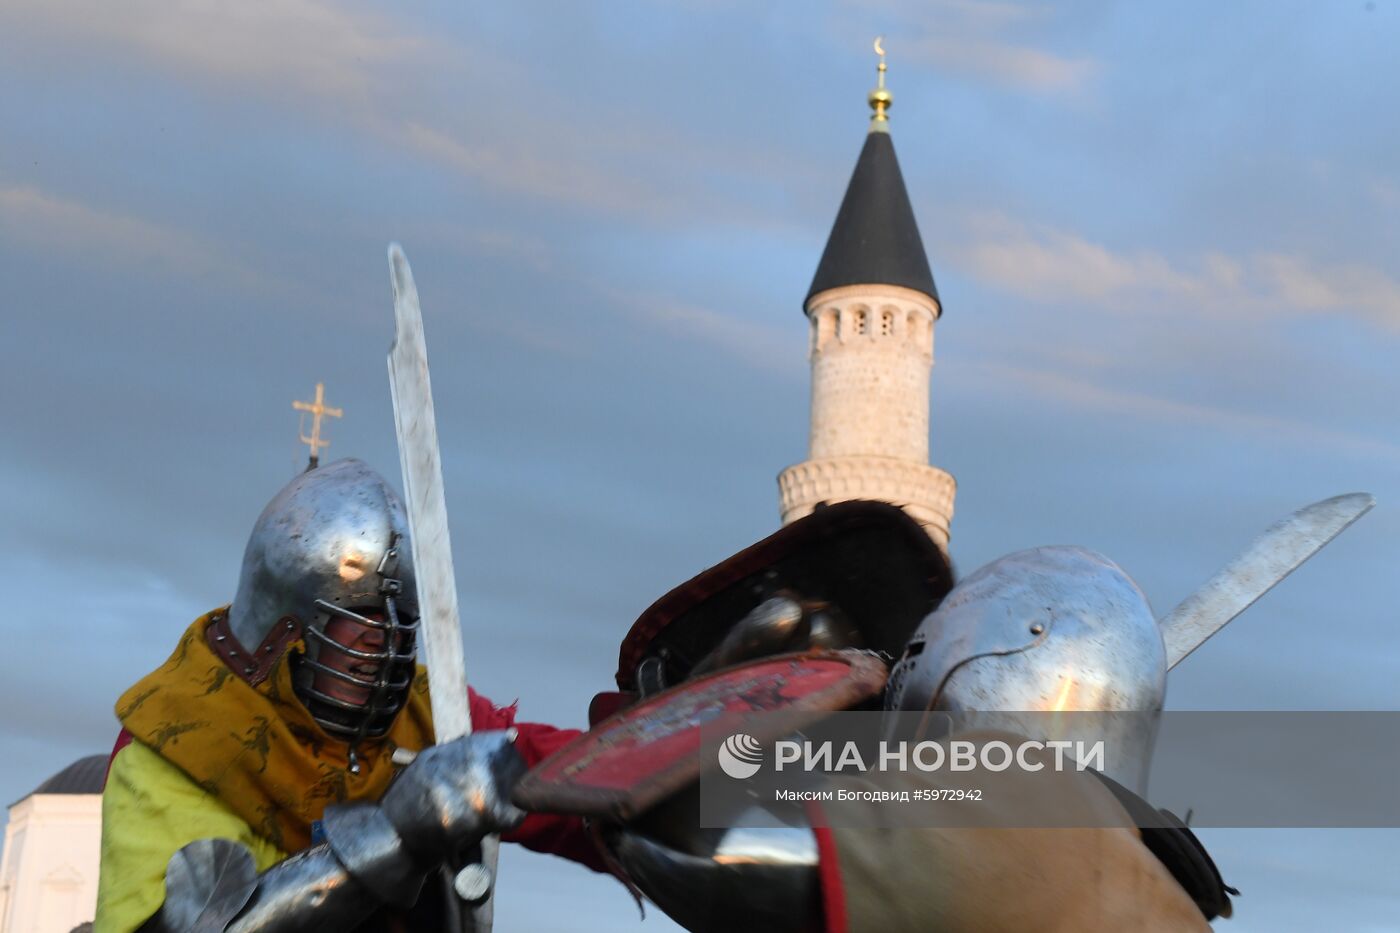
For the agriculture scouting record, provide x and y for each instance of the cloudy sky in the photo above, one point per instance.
(1165, 237)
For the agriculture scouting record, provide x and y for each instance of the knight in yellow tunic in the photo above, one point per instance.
(254, 788)
(189, 768)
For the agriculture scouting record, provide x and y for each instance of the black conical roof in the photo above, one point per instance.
(875, 239)
(84, 776)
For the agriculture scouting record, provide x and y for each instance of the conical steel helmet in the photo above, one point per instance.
(333, 544)
(1052, 629)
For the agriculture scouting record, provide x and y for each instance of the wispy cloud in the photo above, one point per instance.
(523, 169)
(33, 218)
(388, 85)
(293, 46)
(738, 336)
(1045, 262)
(1090, 395)
(1005, 63)
(984, 40)
(1294, 281)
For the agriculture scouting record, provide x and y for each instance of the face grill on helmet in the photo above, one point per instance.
(391, 669)
(388, 686)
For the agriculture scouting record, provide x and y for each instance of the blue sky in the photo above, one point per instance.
(1164, 235)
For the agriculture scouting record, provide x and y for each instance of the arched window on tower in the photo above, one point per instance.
(826, 326)
(862, 321)
(887, 322)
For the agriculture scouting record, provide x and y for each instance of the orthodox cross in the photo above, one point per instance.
(318, 409)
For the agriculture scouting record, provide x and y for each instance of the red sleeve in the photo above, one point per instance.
(124, 739)
(833, 889)
(564, 836)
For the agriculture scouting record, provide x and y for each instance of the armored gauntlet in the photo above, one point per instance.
(447, 800)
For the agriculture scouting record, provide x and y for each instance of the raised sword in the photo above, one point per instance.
(416, 426)
(1276, 553)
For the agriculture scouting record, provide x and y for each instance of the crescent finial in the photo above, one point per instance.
(880, 99)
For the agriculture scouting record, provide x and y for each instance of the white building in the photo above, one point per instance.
(48, 874)
(872, 309)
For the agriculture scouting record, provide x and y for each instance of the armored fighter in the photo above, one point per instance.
(1055, 628)
(257, 783)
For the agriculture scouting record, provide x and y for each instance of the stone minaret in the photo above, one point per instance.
(872, 308)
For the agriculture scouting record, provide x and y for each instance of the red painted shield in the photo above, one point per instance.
(649, 751)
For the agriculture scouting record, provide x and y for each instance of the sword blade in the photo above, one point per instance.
(416, 425)
(1274, 555)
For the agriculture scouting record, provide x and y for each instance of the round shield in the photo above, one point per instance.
(649, 751)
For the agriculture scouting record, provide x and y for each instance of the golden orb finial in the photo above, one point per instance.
(880, 99)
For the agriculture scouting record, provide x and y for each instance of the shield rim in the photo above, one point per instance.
(864, 678)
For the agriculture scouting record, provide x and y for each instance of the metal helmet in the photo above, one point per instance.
(333, 544)
(1052, 629)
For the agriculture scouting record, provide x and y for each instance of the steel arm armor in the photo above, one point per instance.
(375, 854)
(761, 879)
